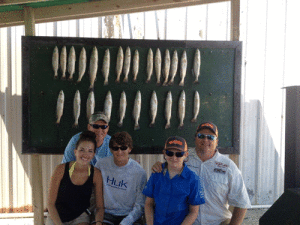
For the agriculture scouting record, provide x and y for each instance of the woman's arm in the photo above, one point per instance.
(149, 210)
(52, 193)
(98, 183)
(192, 215)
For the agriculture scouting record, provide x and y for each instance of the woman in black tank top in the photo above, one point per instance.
(71, 186)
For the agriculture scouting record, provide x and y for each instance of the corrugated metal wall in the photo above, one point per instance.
(268, 64)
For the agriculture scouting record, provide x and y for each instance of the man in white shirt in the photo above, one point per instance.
(123, 182)
(222, 181)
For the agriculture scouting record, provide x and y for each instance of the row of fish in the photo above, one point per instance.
(90, 106)
(168, 69)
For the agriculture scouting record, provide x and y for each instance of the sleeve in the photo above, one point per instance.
(69, 151)
(196, 196)
(138, 208)
(149, 188)
(238, 195)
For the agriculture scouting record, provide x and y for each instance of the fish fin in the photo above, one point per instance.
(136, 127)
(125, 80)
(193, 73)
(194, 120)
(168, 125)
(120, 124)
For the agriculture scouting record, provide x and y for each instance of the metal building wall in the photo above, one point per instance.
(267, 35)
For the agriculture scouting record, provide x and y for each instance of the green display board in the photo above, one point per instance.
(218, 87)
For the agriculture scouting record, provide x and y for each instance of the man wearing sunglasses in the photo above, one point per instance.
(123, 182)
(98, 123)
(222, 181)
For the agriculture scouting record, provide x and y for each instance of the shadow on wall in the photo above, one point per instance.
(261, 157)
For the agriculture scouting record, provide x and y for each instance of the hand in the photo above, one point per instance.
(157, 167)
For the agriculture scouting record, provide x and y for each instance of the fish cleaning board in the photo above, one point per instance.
(218, 89)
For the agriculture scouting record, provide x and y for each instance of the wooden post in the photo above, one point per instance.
(235, 36)
(36, 168)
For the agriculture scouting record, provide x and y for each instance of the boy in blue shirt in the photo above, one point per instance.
(173, 196)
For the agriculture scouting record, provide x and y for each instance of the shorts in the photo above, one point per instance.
(83, 218)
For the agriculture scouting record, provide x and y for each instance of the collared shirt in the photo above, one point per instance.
(173, 196)
(223, 186)
(101, 152)
(122, 189)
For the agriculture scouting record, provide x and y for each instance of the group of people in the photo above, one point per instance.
(98, 183)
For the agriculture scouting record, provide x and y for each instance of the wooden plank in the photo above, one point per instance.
(15, 2)
(36, 168)
(95, 9)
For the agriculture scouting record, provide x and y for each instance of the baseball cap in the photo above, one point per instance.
(208, 125)
(176, 142)
(98, 116)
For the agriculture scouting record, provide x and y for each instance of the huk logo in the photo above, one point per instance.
(116, 184)
(176, 142)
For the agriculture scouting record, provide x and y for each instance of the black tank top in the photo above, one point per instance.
(72, 200)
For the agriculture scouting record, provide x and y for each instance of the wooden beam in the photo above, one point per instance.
(36, 168)
(96, 9)
(15, 2)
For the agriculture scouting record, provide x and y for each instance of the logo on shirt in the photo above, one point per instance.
(219, 164)
(112, 182)
(216, 170)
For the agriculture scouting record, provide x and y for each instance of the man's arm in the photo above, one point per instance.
(238, 215)
(69, 151)
(149, 210)
(192, 215)
(138, 207)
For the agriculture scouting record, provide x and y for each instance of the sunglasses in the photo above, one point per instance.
(96, 126)
(115, 148)
(178, 154)
(208, 136)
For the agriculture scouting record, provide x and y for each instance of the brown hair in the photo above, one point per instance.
(121, 138)
(87, 136)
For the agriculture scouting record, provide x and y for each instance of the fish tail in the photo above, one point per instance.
(105, 83)
(70, 78)
(158, 83)
(58, 121)
(78, 80)
(136, 127)
(75, 125)
(168, 125)
(194, 120)
(171, 82)
(134, 80)
(125, 80)
(120, 124)
(63, 77)
(165, 83)
(181, 83)
(180, 126)
(118, 80)
(196, 81)
(55, 75)
(151, 124)
(148, 81)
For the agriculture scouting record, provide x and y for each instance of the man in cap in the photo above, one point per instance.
(98, 123)
(222, 181)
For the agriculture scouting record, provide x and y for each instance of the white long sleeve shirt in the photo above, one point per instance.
(223, 186)
(122, 188)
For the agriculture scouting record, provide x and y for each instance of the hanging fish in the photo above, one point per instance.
(197, 64)
(93, 67)
(119, 65)
(149, 65)
(181, 109)
(153, 108)
(183, 66)
(76, 108)
(90, 105)
(166, 69)
(105, 67)
(126, 66)
(196, 107)
(63, 62)
(122, 108)
(168, 110)
(174, 67)
(108, 105)
(158, 66)
(60, 106)
(135, 65)
(55, 62)
(137, 110)
(82, 64)
(71, 62)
